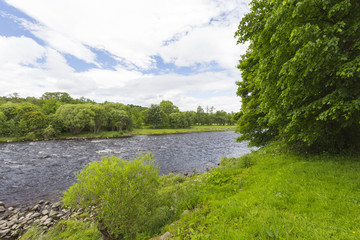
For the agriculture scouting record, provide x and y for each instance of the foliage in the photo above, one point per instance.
(156, 117)
(100, 117)
(75, 117)
(55, 114)
(168, 107)
(178, 120)
(50, 132)
(301, 75)
(64, 230)
(124, 193)
(18, 119)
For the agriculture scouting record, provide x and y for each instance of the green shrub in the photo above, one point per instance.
(125, 194)
(30, 136)
(50, 132)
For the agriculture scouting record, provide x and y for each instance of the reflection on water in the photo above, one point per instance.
(33, 170)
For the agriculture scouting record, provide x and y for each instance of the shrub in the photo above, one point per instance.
(123, 192)
(50, 132)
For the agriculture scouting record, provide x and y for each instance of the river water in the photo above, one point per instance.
(30, 171)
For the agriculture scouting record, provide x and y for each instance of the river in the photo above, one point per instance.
(30, 171)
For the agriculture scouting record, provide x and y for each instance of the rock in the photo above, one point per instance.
(3, 224)
(2, 209)
(4, 233)
(36, 208)
(41, 202)
(52, 213)
(2, 204)
(15, 226)
(11, 223)
(10, 209)
(56, 205)
(45, 212)
(166, 236)
(35, 215)
(48, 222)
(43, 219)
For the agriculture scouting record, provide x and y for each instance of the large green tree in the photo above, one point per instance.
(301, 73)
(75, 117)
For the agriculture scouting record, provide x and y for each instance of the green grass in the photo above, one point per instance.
(281, 196)
(267, 194)
(71, 230)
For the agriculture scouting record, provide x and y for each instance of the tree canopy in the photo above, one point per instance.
(301, 73)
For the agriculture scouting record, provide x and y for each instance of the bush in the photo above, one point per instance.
(123, 192)
(50, 132)
(30, 136)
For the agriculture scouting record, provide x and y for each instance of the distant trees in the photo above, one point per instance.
(21, 118)
(75, 117)
(301, 75)
(57, 112)
(155, 117)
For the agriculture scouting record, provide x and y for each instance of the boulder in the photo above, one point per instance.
(166, 236)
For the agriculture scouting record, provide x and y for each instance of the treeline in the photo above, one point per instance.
(55, 113)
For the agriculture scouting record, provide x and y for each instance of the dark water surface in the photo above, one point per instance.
(30, 171)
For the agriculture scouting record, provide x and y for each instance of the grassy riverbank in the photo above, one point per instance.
(116, 134)
(264, 195)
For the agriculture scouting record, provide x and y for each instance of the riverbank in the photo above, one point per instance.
(116, 134)
(268, 194)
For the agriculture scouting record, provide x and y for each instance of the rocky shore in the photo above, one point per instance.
(15, 220)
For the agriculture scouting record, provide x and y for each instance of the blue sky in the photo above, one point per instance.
(137, 52)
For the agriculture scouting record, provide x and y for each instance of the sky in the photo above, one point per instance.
(133, 52)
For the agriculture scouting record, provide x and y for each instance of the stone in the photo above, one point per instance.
(43, 219)
(15, 226)
(36, 208)
(4, 233)
(56, 205)
(166, 236)
(35, 215)
(45, 212)
(2, 204)
(48, 222)
(11, 209)
(52, 213)
(41, 202)
(29, 215)
(2, 209)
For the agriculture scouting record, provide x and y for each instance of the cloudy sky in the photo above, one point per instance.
(133, 52)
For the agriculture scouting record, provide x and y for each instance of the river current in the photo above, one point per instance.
(30, 171)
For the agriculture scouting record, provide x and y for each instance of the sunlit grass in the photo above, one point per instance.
(281, 196)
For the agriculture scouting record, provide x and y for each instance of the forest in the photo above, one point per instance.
(56, 113)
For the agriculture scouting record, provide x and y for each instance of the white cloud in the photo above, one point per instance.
(183, 32)
(19, 50)
(136, 30)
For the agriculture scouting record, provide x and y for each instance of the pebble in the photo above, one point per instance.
(15, 221)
